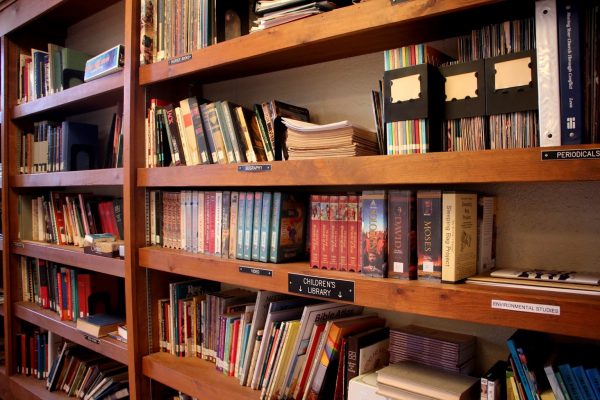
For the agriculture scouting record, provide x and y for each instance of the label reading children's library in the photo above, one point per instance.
(321, 287)
(571, 154)
(526, 307)
(254, 168)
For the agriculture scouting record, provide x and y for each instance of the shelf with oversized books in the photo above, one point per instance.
(489, 166)
(69, 255)
(182, 374)
(452, 301)
(358, 29)
(86, 178)
(49, 320)
(78, 99)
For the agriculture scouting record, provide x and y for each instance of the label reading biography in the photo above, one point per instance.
(571, 154)
(180, 59)
(526, 307)
(256, 271)
(254, 168)
(317, 286)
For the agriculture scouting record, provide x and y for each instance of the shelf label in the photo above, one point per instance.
(571, 154)
(18, 245)
(526, 307)
(180, 59)
(254, 168)
(336, 289)
(91, 339)
(255, 271)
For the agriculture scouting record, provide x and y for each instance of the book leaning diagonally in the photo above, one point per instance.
(546, 42)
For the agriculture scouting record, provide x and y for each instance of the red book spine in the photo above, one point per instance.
(353, 229)
(112, 219)
(315, 231)
(69, 296)
(334, 248)
(342, 222)
(234, 340)
(59, 306)
(24, 348)
(181, 333)
(325, 231)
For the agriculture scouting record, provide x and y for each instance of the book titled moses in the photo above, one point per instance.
(105, 63)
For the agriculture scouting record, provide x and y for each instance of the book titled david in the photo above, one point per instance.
(105, 63)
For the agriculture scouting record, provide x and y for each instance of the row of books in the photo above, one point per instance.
(540, 366)
(415, 233)
(65, 218)
(259, 226)
(71, 293)
(81, 373)
(68, 146)
(219, 132)
(44, 72)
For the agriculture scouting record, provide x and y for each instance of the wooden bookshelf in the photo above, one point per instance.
(363, 28)
(2, 312)
(89, 178)
(182, 374)
(49, 320)
(490, 166)
(452, 301)
(58, 12)
(26, 387)
(69, 255)
(99, 93)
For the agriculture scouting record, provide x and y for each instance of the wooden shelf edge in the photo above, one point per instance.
(471, 303)
(102, 89)
(2, 312)
(183, 374)
(93, 177)
(357, 29)
(49, 320)
(27, 387)
(488, 166)
(70, 255)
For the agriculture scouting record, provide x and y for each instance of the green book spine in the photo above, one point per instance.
(241, 222)
(275, 226)
(265, 226)
(248, 226)
(256, 225)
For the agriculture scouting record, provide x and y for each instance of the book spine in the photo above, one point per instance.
(459, 236)
(174, 135)
(265, 226)
(233, 226)
(239, 253)
(334, 229)
(324, 204)
(486, 233)
(225, 224)
(199, 132)
(374, 231)
(248, 226)
(275, 227)
(429, 234)
(402, 255)
(225, 132)
(353, 233)
(343, 232)
(205, 112)
(256, 226)
(315, 230)
(218, 212)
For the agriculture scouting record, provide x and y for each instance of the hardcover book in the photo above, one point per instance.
(287, 227)
(374, 233)
(79, 146)
(108, 62)
(402, 234)
(459, 236)
(99, 325)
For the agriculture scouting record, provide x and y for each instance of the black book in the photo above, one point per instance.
(79, 147)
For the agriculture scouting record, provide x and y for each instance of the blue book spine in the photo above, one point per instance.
(256, 225)
(248, 226)
(570, 382)
(570, 76)
(265, 227)
(520, 369)
(594, 378)
(275, 226)
(583, 382)
(239, 248)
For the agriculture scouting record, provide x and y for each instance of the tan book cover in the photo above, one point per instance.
(459, 236)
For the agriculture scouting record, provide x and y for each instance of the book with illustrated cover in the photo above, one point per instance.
(429, 234)
(374, 233)
(107, 62)
(287, 227)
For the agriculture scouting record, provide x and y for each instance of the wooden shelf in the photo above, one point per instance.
(49, 320)
(362, 28)
(195, 377)
(26, 387)
(49, 12)
(70, 255)
(463, 302)
(94, 177)
(99, 93)
(2, 312)
(489, 166)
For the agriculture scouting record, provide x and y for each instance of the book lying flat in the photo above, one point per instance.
(99, 325)
(548, 275)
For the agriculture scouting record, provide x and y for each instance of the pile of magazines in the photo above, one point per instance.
(339, 139)
(277, 12)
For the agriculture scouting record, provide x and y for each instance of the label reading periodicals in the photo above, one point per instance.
(180, 59)
(256, 271)
(571, 154)
(526, 307)
(254, 168)
(326, 288)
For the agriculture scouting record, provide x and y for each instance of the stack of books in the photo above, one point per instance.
(277, 12)
(339, 139)
(449, 351)
(409, 379)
